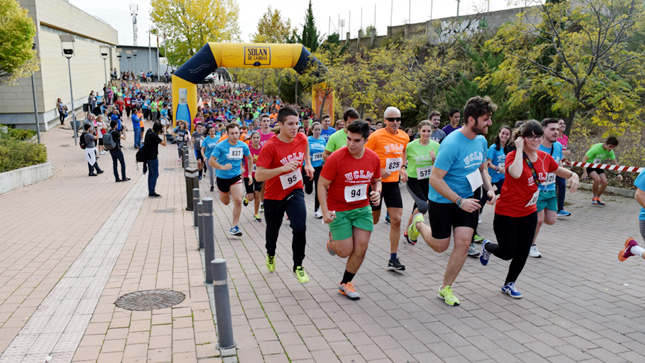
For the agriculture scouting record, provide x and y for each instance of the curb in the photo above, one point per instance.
(15, 179)
(613, 190)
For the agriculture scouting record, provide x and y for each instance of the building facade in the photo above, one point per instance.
(88, 69)
(139, 59)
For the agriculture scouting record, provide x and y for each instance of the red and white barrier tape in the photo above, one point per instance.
(633, 169)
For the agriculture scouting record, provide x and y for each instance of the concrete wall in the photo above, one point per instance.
(140, 62)
(22, 177)
(53, 17)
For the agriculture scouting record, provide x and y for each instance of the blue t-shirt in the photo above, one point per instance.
(146, 105)
(164, 113)
(209, 144)
(316, 149)
(225, 153)
(556, 152)
(135, 121)
(497, 158)
(325, 134)
(640, 184)
(459, 156)
(116, 118)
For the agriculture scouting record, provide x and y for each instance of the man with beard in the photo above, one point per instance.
(460, 168)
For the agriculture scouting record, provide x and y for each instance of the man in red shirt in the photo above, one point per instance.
(128, 104)
(345, 205)
(279, 165)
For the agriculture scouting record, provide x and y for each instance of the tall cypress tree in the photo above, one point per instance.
(310, 36)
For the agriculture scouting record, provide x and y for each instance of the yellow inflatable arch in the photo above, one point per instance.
(231, 55)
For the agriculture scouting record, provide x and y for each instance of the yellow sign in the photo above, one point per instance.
(257, 56)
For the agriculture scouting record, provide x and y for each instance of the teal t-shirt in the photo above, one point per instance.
(209, 144)
(497, 158)
(316, 149)
(640, 184)
(556, 152)
(225, 153)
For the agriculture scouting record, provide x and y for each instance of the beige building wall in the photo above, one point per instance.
(54, 17)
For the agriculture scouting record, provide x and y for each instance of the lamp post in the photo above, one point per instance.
(33, 90)
(67, 48)
(134, 61)
(104, 54)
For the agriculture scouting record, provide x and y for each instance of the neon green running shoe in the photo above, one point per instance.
(413, 232)
(301, 275)
(271, 263)
(478, 239)
(447, 296)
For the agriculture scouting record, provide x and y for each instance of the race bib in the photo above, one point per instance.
(597, 161)
(316, 156)
(180, 138)
(234, 153)
(290, 179)
(475, 179)
(424, 173)
(255, 168)
(534, 199)
(354, 193)
(392, 165)
(550, 179)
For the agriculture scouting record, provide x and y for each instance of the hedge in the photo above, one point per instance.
(16, 153)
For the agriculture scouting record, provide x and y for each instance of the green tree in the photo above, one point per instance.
(272, 28)
(17, 31)
(310, 36)
(189, 24)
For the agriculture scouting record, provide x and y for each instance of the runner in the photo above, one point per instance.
(421, 154)
(347, 174)
(516, 215)
(389, 144)
(208, 145)
(458, 171)
(597, 154)
(631, 246)
(198, 136)
(437, 134)
(327, 131)
(561, 184)
(455, 116)
(339, 138)
(279, 164)
(226, 158)
(265, 135)
(253, 187)
(182, 136)
(316, 149)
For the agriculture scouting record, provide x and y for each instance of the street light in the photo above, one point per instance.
(104, 54)
(33, 90)
(134, 61)
(67, 48)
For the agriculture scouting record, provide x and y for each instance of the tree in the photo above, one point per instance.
(272, 28)
(17, 31)
(189, 24)
(310, 36)
(580, 54)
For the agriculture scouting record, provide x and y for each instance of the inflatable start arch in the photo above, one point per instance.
(230, 55)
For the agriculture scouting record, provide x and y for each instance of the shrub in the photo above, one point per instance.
(16, 154)
(19, 134)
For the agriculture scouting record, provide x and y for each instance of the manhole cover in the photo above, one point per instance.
(150, 300)
(172, 210)
(170, 169)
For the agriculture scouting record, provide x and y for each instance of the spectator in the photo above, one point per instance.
(62, 111)
(116, 153)
(90, 150)
(151, 146)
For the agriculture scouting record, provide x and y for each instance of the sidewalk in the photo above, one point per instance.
(580, 303)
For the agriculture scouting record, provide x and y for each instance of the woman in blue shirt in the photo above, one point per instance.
(496, 157)
(208, 145)
(316, 148)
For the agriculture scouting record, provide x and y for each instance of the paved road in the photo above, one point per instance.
(580, 303)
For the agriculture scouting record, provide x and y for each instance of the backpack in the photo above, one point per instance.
(108, 141)
(81, 142)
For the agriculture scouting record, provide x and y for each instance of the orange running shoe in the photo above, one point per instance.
(349, 290)
(626, 252)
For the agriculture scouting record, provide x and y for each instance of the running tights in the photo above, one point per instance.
(294, 206)
(418, 189)
(514, 238)
(311, 184)
(561, 184)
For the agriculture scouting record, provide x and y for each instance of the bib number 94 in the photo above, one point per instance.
(354, 193)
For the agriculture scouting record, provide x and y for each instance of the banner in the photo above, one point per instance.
(322, 96)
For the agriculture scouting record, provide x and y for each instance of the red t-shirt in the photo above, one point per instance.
(350, 178)
(119, 105)
(128, 102)
(276, 153)
(518, 196)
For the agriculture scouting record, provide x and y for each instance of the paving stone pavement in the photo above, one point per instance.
(580, 303)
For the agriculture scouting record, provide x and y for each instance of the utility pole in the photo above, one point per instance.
(457, 8)
(391, 11)
(410, 12)
(134, 9)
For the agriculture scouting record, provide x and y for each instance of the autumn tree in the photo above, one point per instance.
(582, 55)
(272, 28)
(189, 24)
(17, 31)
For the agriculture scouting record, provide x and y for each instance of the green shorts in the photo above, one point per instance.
(548, 200)
(342, 226)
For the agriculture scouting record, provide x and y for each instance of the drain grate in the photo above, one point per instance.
(169, 169)
(172, 210)
(147, 300)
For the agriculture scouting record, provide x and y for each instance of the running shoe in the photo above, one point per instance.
(235, 231)
(564, 213)
(412, 230)
(447, 296)
(408, 240)
(395, 264)
(257, 218)
(387, 218)
(318, 214)
(261, 207)
(477, 238)
(212, 188)
(533, 252)
(485, 255)
(472, 251)
(511, 290)
(329, 248)
(479, 219)
(301, 275)
(349, 290)
(626, 252)
(245, 201)
(271, 263)
(599, 201)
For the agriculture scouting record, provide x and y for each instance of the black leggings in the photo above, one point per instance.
(61, 117)
(294, 205)
(484, 195)
(117, 155)
(310, 184)
(561, 186)
(418, 189)
(514, 238)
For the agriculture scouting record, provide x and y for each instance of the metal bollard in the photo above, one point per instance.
(195, 201)
(222, 305)
(200, 224)
(185, 160)
(192, 182)
(209, 237)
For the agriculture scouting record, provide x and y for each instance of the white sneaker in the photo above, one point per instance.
(318, 214)
(534, 252)
(479, 220)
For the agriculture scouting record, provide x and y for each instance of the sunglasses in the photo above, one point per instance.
(397, 119)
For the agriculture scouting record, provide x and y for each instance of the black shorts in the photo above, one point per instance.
(198, 155)
(255, 187)
(100, 141)
(224, 185)
(445, 216)
(598, 171)
(391, 194)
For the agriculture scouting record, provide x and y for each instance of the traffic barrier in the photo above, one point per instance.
(195, 201)
(631, 169)
(192, 182)
(209, 237)
(200, 224)
(222, 304)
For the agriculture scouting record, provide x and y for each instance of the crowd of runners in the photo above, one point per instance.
(255, 148)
